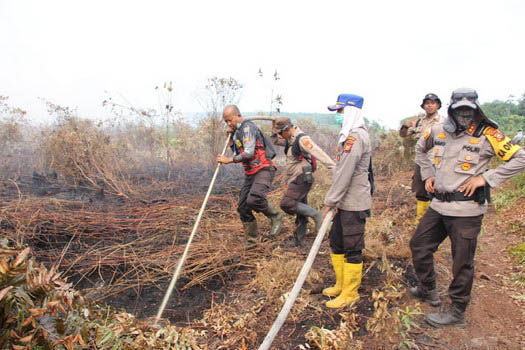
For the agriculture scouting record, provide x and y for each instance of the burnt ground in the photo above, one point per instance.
(495, 317)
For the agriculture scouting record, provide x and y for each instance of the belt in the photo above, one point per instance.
(454, 196)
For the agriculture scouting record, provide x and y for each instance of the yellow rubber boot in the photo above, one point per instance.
(338, 261)
(422, 208)
(351, 282)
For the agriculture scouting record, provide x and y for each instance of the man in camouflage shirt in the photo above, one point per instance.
(302, 155)
(458, 179)
(413, 130)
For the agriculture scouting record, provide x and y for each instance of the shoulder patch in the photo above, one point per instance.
(307, 143)
(349, 143)
(501, 144)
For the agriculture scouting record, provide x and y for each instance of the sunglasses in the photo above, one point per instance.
(284, 129)
(470, 96)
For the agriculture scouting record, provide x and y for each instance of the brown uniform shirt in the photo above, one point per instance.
(456, 158)
(294, 166)
(350, 188)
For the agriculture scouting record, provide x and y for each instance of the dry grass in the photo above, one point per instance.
(136, 243)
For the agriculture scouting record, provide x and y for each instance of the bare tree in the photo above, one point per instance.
(220, 92)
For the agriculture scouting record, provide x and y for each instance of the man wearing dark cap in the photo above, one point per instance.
(255, 151)
(458, 177)
(302, 155)
(414, 129)
(351, 196)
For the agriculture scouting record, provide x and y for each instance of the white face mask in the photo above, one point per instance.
(464, 117)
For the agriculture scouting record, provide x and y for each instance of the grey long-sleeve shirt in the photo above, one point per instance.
(350, 188)
(457, 158)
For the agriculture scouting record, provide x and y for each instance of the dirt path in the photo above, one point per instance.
(495, 316)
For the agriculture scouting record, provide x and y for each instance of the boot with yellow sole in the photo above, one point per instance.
(351, 282)
(338, 261)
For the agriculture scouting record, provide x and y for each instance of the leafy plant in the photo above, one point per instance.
(39, 310)
(337, 339)
(405, 318)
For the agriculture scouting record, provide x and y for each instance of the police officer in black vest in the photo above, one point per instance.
(255, 151)
(301, 160)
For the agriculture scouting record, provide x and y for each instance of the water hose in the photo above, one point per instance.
(279, 321)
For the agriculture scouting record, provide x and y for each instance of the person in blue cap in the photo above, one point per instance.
(351, 196)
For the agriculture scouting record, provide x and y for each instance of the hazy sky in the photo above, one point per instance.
(77, 53)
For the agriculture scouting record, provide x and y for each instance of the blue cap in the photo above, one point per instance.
(344, 100)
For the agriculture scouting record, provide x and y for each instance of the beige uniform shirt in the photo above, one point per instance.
(350, 188)
(413, 133)
(457, 158)
(294, 166)
(423, 123)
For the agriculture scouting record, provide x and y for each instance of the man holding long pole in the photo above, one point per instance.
(251, 148)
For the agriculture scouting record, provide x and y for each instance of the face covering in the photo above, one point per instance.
(464, 117)
(339, 118)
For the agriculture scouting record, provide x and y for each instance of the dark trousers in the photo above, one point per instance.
(347, 234)
(296, 192)
(463, 232)
(418, 185)
(253, 193)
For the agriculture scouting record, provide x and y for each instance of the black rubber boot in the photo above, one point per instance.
(300, 233)
(429, 296)
(452, 316)
(275, 215)
(306, 210)
(250, 229)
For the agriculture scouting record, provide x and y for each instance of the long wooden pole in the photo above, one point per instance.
(195, 226)
(279, 321)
